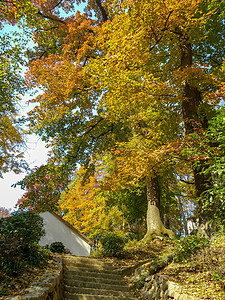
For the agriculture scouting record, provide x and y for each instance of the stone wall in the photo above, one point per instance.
(159, 287)
(48, 287)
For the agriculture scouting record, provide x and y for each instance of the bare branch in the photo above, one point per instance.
(57, 4)
(158, 39)
(47, 29)
(51, 18)
(102, 9)
(185, 181)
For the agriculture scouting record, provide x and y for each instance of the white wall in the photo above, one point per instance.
(57, 231)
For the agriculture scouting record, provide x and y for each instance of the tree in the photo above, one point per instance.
(144, 73)
(4, 212)
(68, 114)
(13, 11)
(28, 15)
(163, 50)
(43, 186)
(211, 146)
(134, 165)
(89, 121)
(12, 86)
(84, 206)
(132, 202)
(12, 83)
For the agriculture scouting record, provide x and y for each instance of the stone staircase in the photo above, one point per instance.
(92, 279)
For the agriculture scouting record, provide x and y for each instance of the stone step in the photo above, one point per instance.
(69, 296)
(86, 261)
(75, 277)
(72, 264)
(91, 291)
(84, 258)
(88, 278)
(98, 286)
(91, 269)
(87, 274)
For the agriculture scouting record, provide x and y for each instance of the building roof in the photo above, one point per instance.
(90, 242)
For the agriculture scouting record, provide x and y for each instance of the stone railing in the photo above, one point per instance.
(48, 287)
(158, 287)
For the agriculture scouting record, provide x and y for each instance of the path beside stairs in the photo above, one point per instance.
(88, 278)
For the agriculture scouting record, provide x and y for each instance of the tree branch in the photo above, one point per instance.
(50, 18)
(185, 181)
(102, 9)
(57, 4)
(103, 133)
(82, 140)
(158, 39)
(42, 29)
(42, 54)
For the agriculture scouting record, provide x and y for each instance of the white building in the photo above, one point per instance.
(58, 230)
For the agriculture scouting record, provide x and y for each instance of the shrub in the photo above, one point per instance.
(112, 244)
(3, 292)
(35, 255)
(26, 227)
(129, 236)
(96, 252)
(185, 247)
(10, 256)
(139, 281)
(18, 234)
(57, 247)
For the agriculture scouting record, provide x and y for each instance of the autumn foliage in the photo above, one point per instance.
(135, 81)
(82, 205)
(43, 189)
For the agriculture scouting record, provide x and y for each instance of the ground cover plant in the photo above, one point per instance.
(19, 252)
(202, 274)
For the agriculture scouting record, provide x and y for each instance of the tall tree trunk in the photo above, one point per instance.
(194, 121)
(154, 223)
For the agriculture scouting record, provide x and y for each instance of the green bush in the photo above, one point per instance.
(18, 235)
(57, 247)
(112, 244)
(3, 292)
(12, 268)
(35, 255)
(129, 236)
(11, 261)
(139, 281)
(26, 227)
(96, 252)
(189, 245)
(10, 249)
